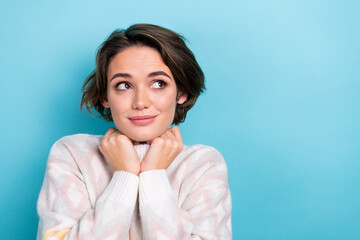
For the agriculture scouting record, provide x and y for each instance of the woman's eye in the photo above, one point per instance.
(159, 84)
(123, 86)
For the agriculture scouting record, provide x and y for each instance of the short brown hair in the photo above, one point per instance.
(176, 55)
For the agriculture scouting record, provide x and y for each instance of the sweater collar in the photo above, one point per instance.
(141, 150)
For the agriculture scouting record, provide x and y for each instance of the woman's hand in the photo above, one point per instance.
(119, 151)
(163, 150)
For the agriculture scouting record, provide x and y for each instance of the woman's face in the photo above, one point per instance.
(141, 93)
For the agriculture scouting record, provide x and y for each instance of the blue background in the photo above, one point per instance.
(282, 103)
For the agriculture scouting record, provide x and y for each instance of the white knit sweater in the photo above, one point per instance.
(83, 198)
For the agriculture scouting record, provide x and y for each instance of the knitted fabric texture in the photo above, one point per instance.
(83, 198)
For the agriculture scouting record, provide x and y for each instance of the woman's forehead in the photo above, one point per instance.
(138, 59)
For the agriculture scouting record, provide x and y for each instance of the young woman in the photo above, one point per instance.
(137, 181)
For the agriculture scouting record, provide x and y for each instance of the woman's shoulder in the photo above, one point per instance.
(79, 141)
(197, 159)
(200, 148)
(202, 151)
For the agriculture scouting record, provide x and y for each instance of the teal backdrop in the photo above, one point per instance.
(282, 103)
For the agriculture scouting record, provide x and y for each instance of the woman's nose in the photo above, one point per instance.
(141, 99)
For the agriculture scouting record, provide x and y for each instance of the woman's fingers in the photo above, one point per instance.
(163, 150)
(108, 133)
(168, 135)
(176, 131)
(119, 151)
(112, 132)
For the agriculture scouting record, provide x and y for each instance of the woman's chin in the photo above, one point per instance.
(144, 135)
(141, 139)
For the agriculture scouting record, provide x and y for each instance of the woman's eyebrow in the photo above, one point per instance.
(153, 74)
(124, 75)
(159, 73)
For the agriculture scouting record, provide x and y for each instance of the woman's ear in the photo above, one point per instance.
(182, 96)
(105, 102)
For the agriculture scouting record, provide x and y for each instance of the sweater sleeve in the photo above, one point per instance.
(64, 208)
(205, 213)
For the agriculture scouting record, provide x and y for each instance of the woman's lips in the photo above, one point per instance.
(142, 120)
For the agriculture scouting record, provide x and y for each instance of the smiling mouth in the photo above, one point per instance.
(142, 120)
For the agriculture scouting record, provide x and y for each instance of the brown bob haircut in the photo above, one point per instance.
(176, 55)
